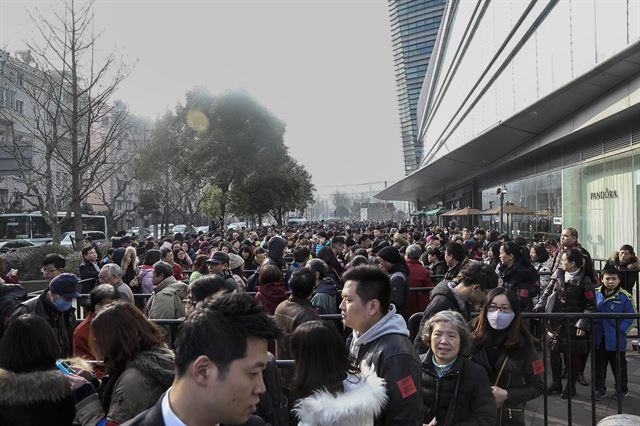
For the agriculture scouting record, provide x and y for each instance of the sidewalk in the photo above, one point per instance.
(581, 403)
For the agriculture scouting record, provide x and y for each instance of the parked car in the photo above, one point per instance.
(12, 245)
(98, 237)
(203, 229)
(179, 229)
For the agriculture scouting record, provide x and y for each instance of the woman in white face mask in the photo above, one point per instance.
(504, 347)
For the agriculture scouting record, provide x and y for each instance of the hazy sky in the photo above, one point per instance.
(324, 67)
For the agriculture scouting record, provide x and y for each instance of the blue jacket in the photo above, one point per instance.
(619, 302)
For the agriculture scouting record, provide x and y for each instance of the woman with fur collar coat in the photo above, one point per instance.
(332, 391)
(32, 390)
(625, 260)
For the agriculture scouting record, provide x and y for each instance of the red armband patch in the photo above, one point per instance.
(537, 366)
(588, 294)
(524, 292)
(406, 387)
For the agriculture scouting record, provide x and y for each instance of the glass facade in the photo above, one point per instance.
(599, 198)
(414, 27)
(540, 194)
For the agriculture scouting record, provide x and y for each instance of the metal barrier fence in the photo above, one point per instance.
(567, 319)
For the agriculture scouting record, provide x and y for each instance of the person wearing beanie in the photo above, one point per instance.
(55, 305)
(391, 261)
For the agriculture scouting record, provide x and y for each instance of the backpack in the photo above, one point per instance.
(11, 295)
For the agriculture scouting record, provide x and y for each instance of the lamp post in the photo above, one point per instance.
(501, 191)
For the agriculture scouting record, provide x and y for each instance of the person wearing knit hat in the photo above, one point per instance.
(392, 261)
(236, 266)
(55, 305)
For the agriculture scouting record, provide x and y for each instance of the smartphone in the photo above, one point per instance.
(64, 367)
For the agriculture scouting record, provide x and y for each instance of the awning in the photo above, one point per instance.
(437, 211)
(518, 135)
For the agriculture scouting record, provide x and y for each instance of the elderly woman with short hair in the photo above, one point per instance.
(455, 390)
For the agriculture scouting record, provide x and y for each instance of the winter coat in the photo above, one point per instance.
(419, 276)
(543, 280)
(271, 295)
(178, 271)
(522, 281)
(618, 302)
(81, 334)
(288, 316)
(363, 398)
(324, 297)
(143, 381)
(89, 271)
(438, 268)
(442, 299)
(557, 257)
(522, 376)
(576, 295)
(398, 275)
(35, 398)
(627, 279)
(63, 323)
(166, 302)
(386, 347)
(455, 272)
(461, 397)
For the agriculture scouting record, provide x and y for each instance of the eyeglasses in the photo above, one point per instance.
(504, 308)
(48, 270)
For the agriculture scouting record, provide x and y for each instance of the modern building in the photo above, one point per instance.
(414, 26)
(543, 98)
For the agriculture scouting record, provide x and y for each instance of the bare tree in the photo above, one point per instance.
(76, 127)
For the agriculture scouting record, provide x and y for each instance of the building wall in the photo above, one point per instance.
(497, 58)
(414, 27)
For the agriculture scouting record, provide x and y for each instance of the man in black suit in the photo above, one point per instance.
(221, 352)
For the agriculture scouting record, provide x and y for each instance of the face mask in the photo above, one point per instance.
(499, 320)
(61, 304)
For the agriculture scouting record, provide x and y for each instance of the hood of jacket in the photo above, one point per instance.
(391, 323)
(273, 290)
(363, 398)
(165, 283)
(157, 363)
(327, 286)
(277, 245)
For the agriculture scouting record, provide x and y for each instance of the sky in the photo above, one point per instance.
(324, 67)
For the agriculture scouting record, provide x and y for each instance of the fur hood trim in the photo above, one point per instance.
(37, 386)
(363, 398)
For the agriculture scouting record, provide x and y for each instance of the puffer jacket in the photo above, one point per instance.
(166, 302)
(618, 302)
(522, 281)
(35, 398)
(386, 347)
(576, 295)
(521, 377)
(63, 323)
(144, 278)
(363, 398)
(143, 381)
(461, 397)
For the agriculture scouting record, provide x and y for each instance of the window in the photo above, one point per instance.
(3, 95)
(11, 99)
(20, 80)
(20, 107)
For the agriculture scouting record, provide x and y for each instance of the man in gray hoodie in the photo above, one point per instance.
(381, 339)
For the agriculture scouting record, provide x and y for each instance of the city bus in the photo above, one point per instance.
(33, 228)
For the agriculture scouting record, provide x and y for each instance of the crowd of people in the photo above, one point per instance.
(188, 330)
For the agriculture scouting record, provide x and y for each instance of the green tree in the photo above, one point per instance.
(234, 133)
